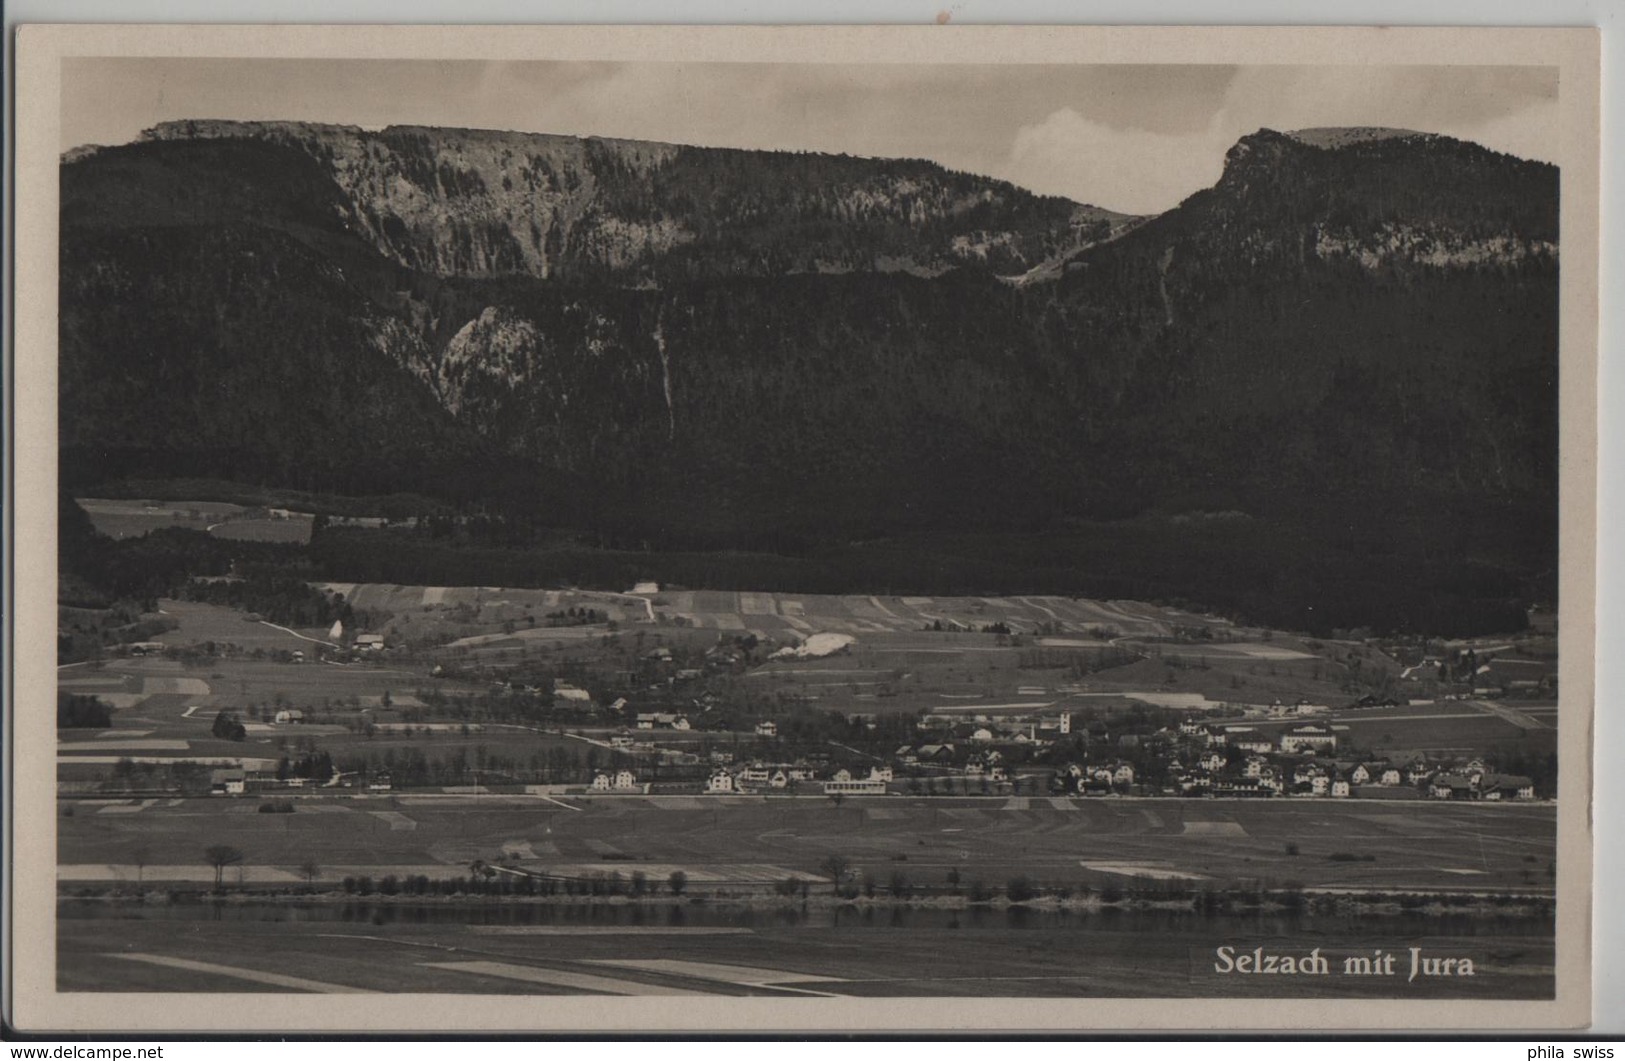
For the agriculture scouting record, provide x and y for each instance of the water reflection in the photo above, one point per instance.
(853, 918)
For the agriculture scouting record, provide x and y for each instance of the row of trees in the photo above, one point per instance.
(227, 726)
(74, 711)
(484, 879)
(413, 767)
(280, 593)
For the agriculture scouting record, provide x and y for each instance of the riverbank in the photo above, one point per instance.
(1212, 903)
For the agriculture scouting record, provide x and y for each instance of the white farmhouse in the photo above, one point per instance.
(1308, 737)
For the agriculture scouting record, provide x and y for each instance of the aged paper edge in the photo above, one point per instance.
(35, 1005)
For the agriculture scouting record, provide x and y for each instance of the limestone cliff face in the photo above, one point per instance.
(483, 203)
(498, 344)
(1382, 198)
(471, 202)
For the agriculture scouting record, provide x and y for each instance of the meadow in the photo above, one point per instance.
(1318, 844)
(119, 518)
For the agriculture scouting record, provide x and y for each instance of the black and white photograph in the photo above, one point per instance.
(755, 528)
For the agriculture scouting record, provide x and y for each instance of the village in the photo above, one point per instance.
(730, 757)
(1194, 759)
(614, 694)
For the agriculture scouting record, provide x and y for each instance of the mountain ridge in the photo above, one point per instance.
(1368, 329)
(550, 205)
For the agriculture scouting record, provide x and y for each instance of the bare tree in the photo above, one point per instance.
(836, 866)
(220, 856)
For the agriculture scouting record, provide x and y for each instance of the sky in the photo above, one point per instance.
(1132, 138)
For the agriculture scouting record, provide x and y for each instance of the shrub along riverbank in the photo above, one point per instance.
(1241, 902)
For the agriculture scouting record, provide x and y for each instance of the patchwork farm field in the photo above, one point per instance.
(166, 699)
(133, 518)
(1446, 727)
(200, 622)
(1456, 727)
(164, 709)
(755, 841)
(894, 664)
(779, 616)
(776, 614)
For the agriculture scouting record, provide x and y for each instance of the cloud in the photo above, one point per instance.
(1124, 166)
(1137, 138)
(1509, 104)
(1529, 133)
(1132, 170)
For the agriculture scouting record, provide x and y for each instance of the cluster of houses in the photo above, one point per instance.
(1216, 774)
(1515, 678)
(1096, 779)
(1037, 733)
(1313, 769)
(662, 720)
(359, 643)
(758, 776)
(619, 781)
(1465, 675)
(1310, 736)
(238, 781)
(1473, 781)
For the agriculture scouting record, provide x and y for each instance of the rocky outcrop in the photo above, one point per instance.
(484, 203)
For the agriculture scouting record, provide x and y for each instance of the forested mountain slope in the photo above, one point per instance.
(1343, 354)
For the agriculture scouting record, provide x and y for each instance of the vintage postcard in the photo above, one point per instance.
(853, 528)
